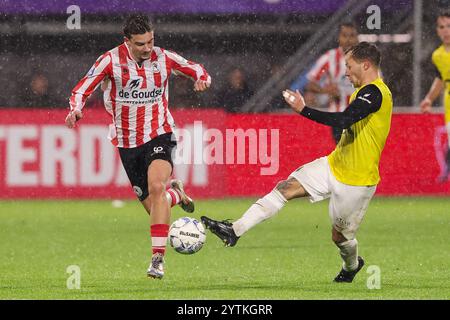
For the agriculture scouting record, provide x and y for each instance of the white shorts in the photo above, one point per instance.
(348, 204)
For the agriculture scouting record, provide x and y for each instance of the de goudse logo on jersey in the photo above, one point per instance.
(134, 83)
(133, 90)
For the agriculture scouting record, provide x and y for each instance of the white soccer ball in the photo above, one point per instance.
(187, 235)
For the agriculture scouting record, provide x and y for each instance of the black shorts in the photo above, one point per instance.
(137, 160)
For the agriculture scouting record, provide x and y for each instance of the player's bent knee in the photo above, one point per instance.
(291, 189)
(283, 189)
(156, 188)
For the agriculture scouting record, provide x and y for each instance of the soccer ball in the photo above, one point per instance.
(187, 235)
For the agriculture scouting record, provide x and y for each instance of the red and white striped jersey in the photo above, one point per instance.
(331, 65)
(135, 96)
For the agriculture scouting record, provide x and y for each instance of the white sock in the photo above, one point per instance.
(349, 253)
(172, 196)
(261, 210)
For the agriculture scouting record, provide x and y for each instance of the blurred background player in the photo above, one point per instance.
(134, 77)
(329, 69)
(441, 62)
(236, 91)
(348, 176)
(38, 93)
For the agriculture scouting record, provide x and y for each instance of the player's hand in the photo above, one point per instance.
(425, 105)
(294, 100)
(73, 117)
(201, 85)
(332, 90)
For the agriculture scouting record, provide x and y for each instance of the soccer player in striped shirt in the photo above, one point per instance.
(135, 78)
(441, 63)
(331, 68)
(348, 176)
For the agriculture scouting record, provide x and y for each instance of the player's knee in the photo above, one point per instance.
(156, 188)
(282, 187)
(290, 189)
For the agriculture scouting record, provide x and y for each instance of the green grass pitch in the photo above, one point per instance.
(290, 256)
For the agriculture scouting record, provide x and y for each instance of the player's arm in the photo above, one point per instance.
(321, 67)
(330, 89)
(190, 69)
(86, 86)
(434, 92)
(366, 102)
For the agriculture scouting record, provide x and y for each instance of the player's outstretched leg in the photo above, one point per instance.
(348, 276)
(261, 210)
(178, 196)
(222, 229)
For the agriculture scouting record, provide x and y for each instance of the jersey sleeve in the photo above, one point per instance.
(436, 72)
(87, 85)
(367, 101)
(187, 68)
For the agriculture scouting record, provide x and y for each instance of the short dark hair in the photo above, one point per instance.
(365, 51)
(348, 24)
(444, 13)
(137, 24)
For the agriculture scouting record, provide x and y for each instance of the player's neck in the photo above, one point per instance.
(138, 61)
(130, 52)
(370, 77)
(446, 47)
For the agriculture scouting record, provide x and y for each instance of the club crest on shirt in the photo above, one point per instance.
(155, 67)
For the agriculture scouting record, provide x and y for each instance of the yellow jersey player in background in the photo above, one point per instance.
(441, 63)
(348, 176)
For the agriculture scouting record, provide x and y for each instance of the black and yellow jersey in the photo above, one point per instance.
(366, 124)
